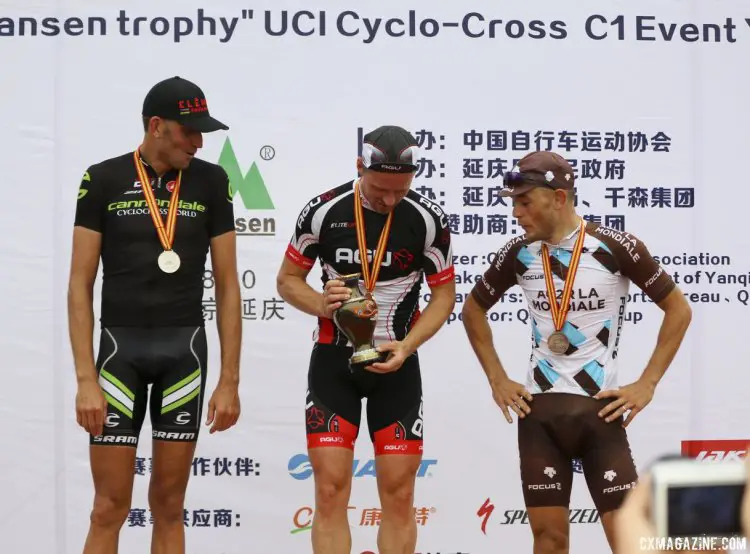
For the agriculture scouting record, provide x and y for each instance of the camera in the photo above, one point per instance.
(691, 498)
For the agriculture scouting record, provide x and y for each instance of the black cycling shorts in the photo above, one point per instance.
(170, 359)
(333, 407)
(562, 427)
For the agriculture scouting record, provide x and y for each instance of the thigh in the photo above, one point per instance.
(172, 461)
(124, 387)
(179, 386)
(395, 411)
(608, 463)
(333, 406)
(546, 471)
(112, 469)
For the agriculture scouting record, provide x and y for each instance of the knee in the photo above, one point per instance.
(397, 495)
(550, 540)
(110, 510)
(167, 503)
(331, 493)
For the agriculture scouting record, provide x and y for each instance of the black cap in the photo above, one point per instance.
(390, 149)
(538, 169)
(180, 100)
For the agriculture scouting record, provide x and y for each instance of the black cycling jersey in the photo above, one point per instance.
(135, 292)
(419, 245)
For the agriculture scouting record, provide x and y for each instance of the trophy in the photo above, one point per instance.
(356, 318)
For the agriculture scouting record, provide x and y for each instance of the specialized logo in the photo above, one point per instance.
(250, 186)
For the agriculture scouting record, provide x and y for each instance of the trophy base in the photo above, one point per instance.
(361, 359)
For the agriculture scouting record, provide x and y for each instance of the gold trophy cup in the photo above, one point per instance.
(356, 318)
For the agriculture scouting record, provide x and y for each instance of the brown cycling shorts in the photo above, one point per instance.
(563, 427)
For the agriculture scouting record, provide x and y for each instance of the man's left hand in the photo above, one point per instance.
(396, 357)
(223, 407)
(633, 398)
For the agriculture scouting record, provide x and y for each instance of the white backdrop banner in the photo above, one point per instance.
(647, 100)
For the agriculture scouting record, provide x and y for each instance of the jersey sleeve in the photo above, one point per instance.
(438, 247)
(91, 198)
(636, 263)
(221, 218)
(303, 246)
(500, 276)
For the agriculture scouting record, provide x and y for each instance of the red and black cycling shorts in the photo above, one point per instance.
(563, 427)
(333, 407)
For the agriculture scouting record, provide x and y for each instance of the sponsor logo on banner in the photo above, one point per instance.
(249, 192)
(360, 517)
(301, 469)
(519, 516)
(716, 450)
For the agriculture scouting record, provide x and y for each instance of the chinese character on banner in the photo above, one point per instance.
(273, 308)
(137, 518)
(201, 518)
(246, 466)
(421, 515)
(223, 518)
(684, 197)
(201, 466)
(209, 309)
(370, 517)
(425, 139)
(222, 466)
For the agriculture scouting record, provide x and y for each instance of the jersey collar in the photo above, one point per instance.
(567, 241)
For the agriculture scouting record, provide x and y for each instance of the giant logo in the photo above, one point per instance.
(301, 469)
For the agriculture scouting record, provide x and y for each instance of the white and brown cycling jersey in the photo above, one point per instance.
(610, 260)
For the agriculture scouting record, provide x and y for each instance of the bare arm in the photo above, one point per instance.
(83, 268)
(440, 306)
(292, 286)
(677, 317)
(228, 305)
(478, 330)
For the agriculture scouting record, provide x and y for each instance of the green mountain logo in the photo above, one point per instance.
(250, 186)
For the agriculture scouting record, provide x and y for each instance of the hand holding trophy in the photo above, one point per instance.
(357, 318)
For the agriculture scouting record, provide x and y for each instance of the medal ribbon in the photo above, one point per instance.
(166, 233)
(560, 312)
(369, 278)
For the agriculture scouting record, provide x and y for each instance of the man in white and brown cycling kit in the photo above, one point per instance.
(575, 276)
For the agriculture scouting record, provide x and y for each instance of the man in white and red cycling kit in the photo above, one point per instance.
(417, 246)
(575, 276)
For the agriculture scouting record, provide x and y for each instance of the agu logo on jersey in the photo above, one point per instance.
(251, 190)
(300, 468)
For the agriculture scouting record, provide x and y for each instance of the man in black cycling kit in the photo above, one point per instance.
(151, 215)
(408, 237)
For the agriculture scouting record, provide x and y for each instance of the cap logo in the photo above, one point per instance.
(549, 176)
(192, 106)
(567, 176)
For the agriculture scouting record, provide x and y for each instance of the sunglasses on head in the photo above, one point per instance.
(514, 179)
